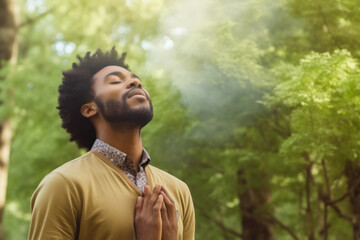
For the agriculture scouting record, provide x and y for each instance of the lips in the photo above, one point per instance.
(136, 92)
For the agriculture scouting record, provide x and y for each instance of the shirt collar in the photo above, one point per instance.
(119, 158)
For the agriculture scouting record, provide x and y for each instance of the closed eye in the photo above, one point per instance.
(115, 82)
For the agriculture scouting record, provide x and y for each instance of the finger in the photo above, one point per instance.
(166, 198)
(147, 194)
(157, 205)
(167, 194)
(139, 203)
(164, 215)
(147, 191)
(157, 188)
(155, 193)
(170, 206)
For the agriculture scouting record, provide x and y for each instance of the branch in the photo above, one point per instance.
(219, 223)
(345, 194)
(326, 177)
(283, 226)
(326, 227)
(339, 199)
(308, 179)
(327, 200)
(309, 212)
(339, 212)
(328, 196)
(36, 18)
(270, 220)
(337, 179)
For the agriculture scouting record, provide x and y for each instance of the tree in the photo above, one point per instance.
(8, 52)
(259, 127)
(322, 95)
(48, 37)
(224, 64)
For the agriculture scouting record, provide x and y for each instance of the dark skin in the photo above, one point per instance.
(148, 214)
(155, 212)
(168, 216)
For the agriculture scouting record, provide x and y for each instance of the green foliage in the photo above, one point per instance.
(38, 143)
(46, 47)
(323, 97)
(323, 94)
(246, 95)
(329, 24)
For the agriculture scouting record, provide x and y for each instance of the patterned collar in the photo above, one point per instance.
(119, 158)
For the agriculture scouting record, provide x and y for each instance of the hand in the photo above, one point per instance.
(148, 223)
(168, 216)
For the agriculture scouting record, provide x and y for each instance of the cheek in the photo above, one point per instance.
(147, 93)
(114, 94)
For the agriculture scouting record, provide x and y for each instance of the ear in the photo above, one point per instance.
(89, 110)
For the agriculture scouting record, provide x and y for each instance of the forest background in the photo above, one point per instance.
(256, 104)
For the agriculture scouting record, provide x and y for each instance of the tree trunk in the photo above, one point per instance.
(8, 52)
(310, 226)
(5, 138)
(254, 226)
(352, 172)
(8, 30)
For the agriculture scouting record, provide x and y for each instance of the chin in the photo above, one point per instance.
(114, 111)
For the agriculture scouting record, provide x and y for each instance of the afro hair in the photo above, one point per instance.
(76, 90)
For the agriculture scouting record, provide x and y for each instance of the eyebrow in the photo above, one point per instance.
(121, 75)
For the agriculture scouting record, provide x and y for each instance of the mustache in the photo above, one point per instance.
(135, 88)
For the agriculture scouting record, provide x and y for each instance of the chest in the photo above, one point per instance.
(108, 211)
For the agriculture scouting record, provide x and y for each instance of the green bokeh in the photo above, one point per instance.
(260, 87)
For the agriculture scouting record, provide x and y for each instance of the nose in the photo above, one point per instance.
(134, 82)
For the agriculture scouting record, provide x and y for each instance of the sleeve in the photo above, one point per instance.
(54, 209)
(189, 216)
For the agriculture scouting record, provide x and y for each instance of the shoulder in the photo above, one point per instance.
(72, 172)
(170, 180)
(78, 168)
(165, 175)
(83, 161)
(68, 178)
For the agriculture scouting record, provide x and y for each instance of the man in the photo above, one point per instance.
(111, 192)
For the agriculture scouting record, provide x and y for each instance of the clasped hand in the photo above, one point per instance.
(155, 215)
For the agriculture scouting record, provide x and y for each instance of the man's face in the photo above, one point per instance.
(120, 97)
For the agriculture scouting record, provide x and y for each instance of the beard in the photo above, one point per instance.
(115, 111)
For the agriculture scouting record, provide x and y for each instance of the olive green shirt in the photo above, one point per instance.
(91, 198)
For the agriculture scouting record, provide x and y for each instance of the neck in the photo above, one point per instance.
(126, 138)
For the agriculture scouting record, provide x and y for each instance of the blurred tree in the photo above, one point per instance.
(224, 58)
(328, 25)
(220, 83)
(266, 142)
(48, 36)
(322, 94)
(8, 52)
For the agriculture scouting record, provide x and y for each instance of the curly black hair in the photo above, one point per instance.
(76, 90)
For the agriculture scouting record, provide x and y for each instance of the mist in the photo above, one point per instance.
(209, 54)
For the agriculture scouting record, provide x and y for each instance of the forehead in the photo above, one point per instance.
(101, 74)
